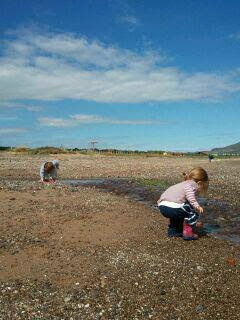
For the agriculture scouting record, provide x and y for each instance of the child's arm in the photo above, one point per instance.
(42, 172)
(54, 173)
(191, 198)
(199, 224)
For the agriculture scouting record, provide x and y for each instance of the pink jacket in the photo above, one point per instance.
(181, 192)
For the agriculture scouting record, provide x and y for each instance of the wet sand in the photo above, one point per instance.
(83, 253)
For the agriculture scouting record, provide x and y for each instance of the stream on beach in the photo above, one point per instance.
(220, 220)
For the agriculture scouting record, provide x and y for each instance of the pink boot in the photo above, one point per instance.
(188, 233)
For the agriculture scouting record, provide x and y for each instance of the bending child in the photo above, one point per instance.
(48, 171)
(178, 203)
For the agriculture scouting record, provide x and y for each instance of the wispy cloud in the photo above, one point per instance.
(50, 66)
(7, 118)
(81, 119)
(235, 36)
(56, 122)
(13, 105)
(129, 20)
(34, 108)
(8, 131)
(125, 14)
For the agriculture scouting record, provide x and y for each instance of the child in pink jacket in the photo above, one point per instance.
(179, 204)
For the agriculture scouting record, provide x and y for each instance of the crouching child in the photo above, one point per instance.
(48, 171)
(178, 203)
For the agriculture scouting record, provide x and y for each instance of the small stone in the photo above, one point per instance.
(103, 282)
(67, 298)
(199, 308)
(199, 268)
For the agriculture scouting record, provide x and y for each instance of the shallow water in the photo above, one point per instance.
(219, 219)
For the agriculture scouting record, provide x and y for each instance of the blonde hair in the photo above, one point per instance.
(48, 166)
(196, 174)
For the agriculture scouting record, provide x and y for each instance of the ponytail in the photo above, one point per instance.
(197, 174)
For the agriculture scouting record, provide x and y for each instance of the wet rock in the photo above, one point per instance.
(199, 308)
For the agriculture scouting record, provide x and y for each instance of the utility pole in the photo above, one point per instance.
(93, 144)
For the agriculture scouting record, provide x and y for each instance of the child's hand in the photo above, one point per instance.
(199, 224)
(199, 210)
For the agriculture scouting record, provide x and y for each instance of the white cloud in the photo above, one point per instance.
(13, 105)
(11, 130)
(130, 20)
(56, 122)
(125, 14)
(82, 118)
(34, 108)
(79, 119)
(59, 66)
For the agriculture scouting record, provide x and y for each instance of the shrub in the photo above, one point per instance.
(49, 150)
(21, 149)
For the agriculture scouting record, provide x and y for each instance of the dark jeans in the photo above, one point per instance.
(176, 217)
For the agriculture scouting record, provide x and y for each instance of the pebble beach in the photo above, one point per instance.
(84, 253)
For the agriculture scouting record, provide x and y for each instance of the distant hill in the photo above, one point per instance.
(233, 148)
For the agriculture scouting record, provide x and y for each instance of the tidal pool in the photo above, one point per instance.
(220, 220)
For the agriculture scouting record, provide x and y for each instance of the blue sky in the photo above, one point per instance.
(140, 74)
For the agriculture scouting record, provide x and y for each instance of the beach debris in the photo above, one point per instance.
(231, 262)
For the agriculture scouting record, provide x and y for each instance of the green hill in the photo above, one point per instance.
(233, 148)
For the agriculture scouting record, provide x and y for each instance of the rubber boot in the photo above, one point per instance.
(188, 233)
